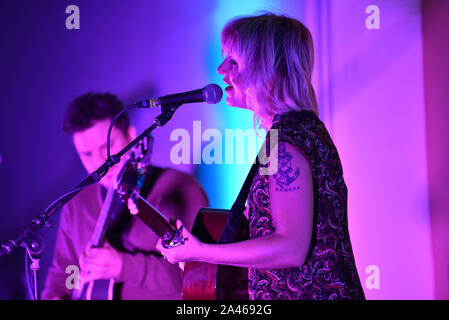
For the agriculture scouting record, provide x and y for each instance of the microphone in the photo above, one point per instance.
(211, 93)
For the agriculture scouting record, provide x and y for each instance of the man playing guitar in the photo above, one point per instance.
(128, 255)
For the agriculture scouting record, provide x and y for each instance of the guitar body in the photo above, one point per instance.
(206, 281)
(102, 289)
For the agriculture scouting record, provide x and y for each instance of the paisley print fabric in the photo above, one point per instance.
(329, 271)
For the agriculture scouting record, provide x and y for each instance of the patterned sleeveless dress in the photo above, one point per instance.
(329, 271)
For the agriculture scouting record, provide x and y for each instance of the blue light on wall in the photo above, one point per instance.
(223, 181)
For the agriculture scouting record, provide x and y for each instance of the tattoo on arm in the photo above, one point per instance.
(287, 174)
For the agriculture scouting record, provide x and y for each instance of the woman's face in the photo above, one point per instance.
(232, 70)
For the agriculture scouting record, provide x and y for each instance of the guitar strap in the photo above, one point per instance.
(237, 217)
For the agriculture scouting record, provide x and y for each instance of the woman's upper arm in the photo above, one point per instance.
(291, 197)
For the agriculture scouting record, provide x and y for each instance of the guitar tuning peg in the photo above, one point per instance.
(48, 224)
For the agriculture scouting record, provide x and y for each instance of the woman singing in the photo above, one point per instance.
(299, 246)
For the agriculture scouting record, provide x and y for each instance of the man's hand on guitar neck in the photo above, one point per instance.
(100, 263)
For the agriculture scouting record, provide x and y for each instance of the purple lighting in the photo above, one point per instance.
(380, 77)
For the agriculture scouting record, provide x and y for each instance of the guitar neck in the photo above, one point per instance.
(153, 218)
(99, 233)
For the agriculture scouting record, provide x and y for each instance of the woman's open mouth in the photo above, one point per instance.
(229, 88)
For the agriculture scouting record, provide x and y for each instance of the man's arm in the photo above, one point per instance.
(64, 256)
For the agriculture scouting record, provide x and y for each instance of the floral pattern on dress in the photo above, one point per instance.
(329, 271)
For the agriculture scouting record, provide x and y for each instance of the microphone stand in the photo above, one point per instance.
(27, 238)
(34, 246)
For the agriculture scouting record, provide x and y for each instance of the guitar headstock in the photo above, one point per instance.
(132, 176)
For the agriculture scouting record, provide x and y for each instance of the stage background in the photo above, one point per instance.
(381, 98)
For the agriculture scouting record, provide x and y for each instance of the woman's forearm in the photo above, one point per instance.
(268, 252)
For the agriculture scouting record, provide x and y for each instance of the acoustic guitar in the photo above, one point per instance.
(104, 289)
(201, 281)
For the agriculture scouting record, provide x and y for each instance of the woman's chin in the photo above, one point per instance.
(232, 103)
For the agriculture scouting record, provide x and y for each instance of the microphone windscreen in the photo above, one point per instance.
(212, 93)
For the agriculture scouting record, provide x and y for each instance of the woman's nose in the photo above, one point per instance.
(221, 68)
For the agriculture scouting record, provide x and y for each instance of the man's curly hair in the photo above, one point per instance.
(89, 108)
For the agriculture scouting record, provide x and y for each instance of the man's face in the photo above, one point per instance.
(91, 147)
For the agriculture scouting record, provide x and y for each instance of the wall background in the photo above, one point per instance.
(375, 93)
(436, 83)
(370, 85)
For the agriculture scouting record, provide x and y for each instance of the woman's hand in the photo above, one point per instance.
(189, 251)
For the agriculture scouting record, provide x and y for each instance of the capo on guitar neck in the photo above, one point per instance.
(177, 240)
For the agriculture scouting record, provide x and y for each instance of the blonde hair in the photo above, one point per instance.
(277, 54)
